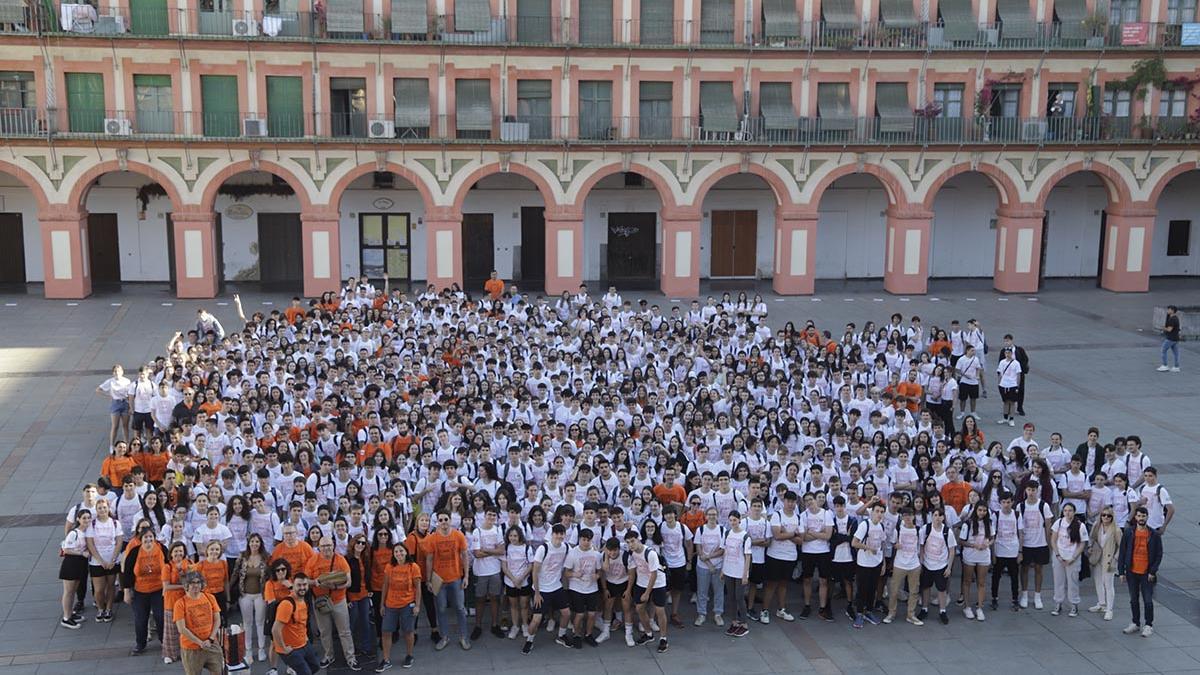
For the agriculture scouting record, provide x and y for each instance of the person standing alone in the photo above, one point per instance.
(1141, 554)
(1170, 333)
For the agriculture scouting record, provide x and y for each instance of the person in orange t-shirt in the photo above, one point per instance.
(172, 579)
(956, 492)
(198, 620)
(117, 464)
(292, 549)
(494, 286)
(328, 561)
(401, 588)
(446, 556)
(146, 562)
(294, 313)
(216, 574)
(289, 633)
(911, 391)
(667, 492)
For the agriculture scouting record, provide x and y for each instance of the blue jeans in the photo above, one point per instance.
(1173, 347)
(360, 626)
(304, 660)
(1140, 585)
(145, 604)
(709, 584)
(452, 592)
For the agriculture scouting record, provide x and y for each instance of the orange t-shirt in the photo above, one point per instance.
(368, 450)
(956, 494)
(401, 590)
(494, 288)
(154, 464)
(400, 446)
(1141, 551)
(318, 565)
(415, 543)
(912, 391)
(116, 468)
(171, 575)
(293, 314)
(215, 574)
(274, 591)
(693, 519)
(297, 556)
(147, 573)
(294, 617)
(670, 495)
(447, 550)
(197, 615)
(380, 559)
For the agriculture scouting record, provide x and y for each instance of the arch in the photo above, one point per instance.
(1009, 193)
(208, 199)
(1114, 182)
(539, 181)
(778, 187)
(85, 181)
(339, 188)
(891, 184)
(28, 181)
(660, 184)
(1165, 180)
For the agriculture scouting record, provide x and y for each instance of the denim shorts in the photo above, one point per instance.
(119, 407)
(403, 619)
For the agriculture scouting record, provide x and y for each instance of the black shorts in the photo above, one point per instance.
(933, 578)
(73, 568)
(815, 562)
(616, 590)
(758, 573)
(143, 422)
(779, 570)
(584, 602)
(553, 601)
(1035, 555)
(522, 592)
(841, 572)
(98, 571)
(966, 391)
(658, 596)
(677, 578)
(1008, 394)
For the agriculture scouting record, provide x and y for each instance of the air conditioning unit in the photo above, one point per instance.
(1033, 130)
(117, 126)
(382, 129)
(245, 28)
(254, 126)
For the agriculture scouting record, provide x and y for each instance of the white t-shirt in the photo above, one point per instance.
(616, 570)
(104, 535)
(553, 560)
(1008, 545)
(968, 369)
(843, 553)
(783, 549)
(646, 563)
(517, 557)
(584, 565)
(709, 539)
(1156, 498)
(202, 534)
(116, 387)
(1062, 538)
(480, 538)
(757, 529)
(814, 523)
(976, 556)
(937, 545)
(1010, 373)
(1033, 523)
(907, 543)
(674, 538)
(871, 534)
(737, 545)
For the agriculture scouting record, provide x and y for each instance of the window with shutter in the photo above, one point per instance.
(285, 107)
(781, 23)
(959, 21)
(1016, 21)
(596, 22)
(344, 18)
(533, 107)
(656, 19)
(533, 21)
(898, 14)
(472, 16)
(833, 106)
(154, 106)
(473, 108)
(654, 110)
(775, 106)
(892, 107)
(1070, 15)
(409, 19)
(85, 102)
(411, 98)
(716, 22)
(219, 100)
(718, 114)
(18, 108)
(595, 110)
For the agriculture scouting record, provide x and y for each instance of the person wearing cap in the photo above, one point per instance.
(198, 619)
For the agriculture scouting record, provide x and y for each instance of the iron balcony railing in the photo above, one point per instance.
(126, 20)
(595, 129)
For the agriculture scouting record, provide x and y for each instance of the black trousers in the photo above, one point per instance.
(1021, 393)
(145, 604)
(1141, 587)
(867, 579)
(1005, 565)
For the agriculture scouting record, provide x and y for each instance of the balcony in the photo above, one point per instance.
(116, 20)
(533, 130)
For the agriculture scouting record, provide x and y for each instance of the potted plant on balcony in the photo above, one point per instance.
(926, 114)
(1095, 26)
(983, 110)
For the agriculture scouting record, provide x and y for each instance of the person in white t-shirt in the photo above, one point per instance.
(486, 543)
(906, 566)
(759, 529)
(649, 589)
(549, 598)
(117, 389)
(583, 569)
(868, 541)
(977, 535)
(969, 372)
(105, 542)
(1034, 524)
(1009, 372)
(938, 545)
(736, 572)
(709, 541)
(1068, 542)
(1157, 501)
(1007, 549)
(816, 528)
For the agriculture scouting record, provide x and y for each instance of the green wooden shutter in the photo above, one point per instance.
(411, 103)
(154, 106)
(409, 17)
(472, 15)
(596, 22)
(891, 103)
(85, 102)
(1017, 20)
(775, 104)
(148, 17)
(833, 105)
(533, 21)
(657, 19)
(595, 110)
(219, 105)
(780, 20)
(473, 105)
(898, 13)
(654, 109)
(716, 22)
(285, 107)
(959, 20)
(717, 108)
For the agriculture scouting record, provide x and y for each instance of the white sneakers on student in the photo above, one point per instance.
(1131, 629)
(1162, 369)
(1037, 600)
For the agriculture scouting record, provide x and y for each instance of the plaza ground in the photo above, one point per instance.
(1092, 353)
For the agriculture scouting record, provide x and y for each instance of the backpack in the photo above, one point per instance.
(1041, 509)
(269, 617)
(928, 529)
(1158, 495)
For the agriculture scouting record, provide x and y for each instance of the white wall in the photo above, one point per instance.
(16, 198)
(611, 196)
(964, 240)
(142, 236)
(741, 192)
(851, 229)
(1178, 202)
(1073, 226)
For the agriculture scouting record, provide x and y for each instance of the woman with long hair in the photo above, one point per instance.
(1102, 555)
(105, 540)
(1068, 535)
(977, 536)
(250, 576)
(73, 570)
(146, 563)
(278, 586)
(358, 596)
(380, 551)
(172, 577)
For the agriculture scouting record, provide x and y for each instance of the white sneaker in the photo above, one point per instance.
(1108, 615)
(1147, 631)
(1162, 369)
(783, 614)
(550, 626)
(654, 626)
(1012, 422)
(1002, 420)
(979, 614)
(699, 621)
(603, 636)
(629, 639)
(718, 619)
(1096, 609)
(969, 612)
(959, 416)
(1175, 369)
(765, 617)
(1037, 600)
(512, 632)
(1057, 609)
(1024, 602)
(1131, 629)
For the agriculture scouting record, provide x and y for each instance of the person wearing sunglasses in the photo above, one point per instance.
(1102, 554)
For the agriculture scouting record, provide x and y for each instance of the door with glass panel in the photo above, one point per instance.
(384, 246)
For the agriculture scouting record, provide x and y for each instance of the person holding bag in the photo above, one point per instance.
(1102, 554)
(331, 574)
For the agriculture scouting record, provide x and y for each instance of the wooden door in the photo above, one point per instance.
(104, 248)
(533, 243)
(12, 243)
(219, 252)
(280, 249)
(734, 244)
(172, 280)
(631, 248)
(478, 251)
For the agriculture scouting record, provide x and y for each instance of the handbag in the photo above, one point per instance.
(322, 603)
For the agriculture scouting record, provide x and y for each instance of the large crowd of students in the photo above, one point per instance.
(331, 475)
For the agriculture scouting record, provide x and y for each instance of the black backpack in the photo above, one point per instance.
(314, 631)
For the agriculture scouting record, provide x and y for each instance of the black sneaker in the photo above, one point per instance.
(806, 612)
(663, 646)
(137, 651)
(70, 623)
(77, 608)
(577, 643)
(591, 641)
(385, 665)
(475, 633)
(944, 618)
(563, 640)
(498, 631)
(849, 612)
(353, 665)
(643, 638)
(1016, 606)
(960, 601)
(525, 649)
(995, 604)
(408, 662)
(922, 613)
(826, 614)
